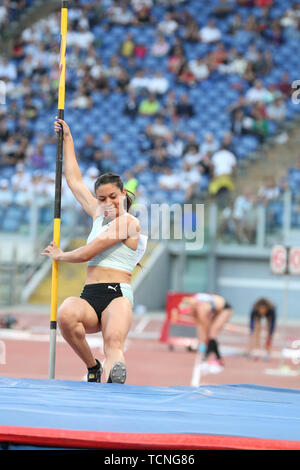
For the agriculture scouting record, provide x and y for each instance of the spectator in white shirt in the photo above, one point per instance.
(168, 26)
(90, 177)
(81, 100)
(3, 15)
(7, 69)
(169, 180)
(158, 129)
(158, 84)
(98, 70)
(6, 195)
(242, 218)
(139, 82)
(224, 163)
(20, 185)
(210, 144)
(199, 68)
(82, 39)
(175, 146)
(259, 93)
(269, 192)
(121, 15)
(252, 54)
(28, 65)
(242, 205)
(210, 33)
(276, 111)
(223, 167)
(21, 179)
(137, 5)
(37, 190)
(161, 47)
(192, 157)
(190, 177)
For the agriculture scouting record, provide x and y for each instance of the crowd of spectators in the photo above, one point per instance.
(181, 159)
(10, 11)
(238, 221)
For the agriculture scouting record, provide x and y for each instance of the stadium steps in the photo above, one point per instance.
(38, 10)
(273, 160)
(72, 277)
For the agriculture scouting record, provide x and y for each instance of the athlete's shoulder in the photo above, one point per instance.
(132, 221)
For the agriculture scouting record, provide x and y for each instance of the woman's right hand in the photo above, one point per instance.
(58, 124)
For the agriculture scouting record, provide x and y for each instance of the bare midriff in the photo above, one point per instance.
(96, 275)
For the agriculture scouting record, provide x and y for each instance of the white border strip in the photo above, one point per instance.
(196, 377)
(257, 283)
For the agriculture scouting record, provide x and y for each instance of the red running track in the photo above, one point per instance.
(149, 362)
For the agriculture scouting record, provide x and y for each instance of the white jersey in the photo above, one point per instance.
(203, 297)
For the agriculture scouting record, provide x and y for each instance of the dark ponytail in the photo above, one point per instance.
(113, 178)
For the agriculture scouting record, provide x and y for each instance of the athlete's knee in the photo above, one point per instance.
(113, 340)
(67, 316)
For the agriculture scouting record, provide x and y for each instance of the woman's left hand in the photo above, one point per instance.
(52, 251)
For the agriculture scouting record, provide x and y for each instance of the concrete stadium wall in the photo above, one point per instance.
(240, 274)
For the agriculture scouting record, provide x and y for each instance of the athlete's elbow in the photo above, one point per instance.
(85, 257)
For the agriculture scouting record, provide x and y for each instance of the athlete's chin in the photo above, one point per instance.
(110, 215)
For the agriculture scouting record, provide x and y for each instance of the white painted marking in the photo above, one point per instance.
(17, 335)
(196, 377)
(237, 328)
(291, 353)
(141, 325)
(282, 372)
(273, 284)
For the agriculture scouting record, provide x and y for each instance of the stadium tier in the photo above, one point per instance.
(113, 55)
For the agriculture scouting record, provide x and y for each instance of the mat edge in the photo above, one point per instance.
(137, 441)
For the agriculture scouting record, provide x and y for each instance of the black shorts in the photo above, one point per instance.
(100, 295)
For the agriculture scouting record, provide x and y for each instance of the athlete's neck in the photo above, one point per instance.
(106, 220)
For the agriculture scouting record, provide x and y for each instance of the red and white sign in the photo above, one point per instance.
(294, 260)
(278, 259)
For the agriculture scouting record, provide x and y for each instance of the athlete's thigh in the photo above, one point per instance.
(203, 314)
(117, 318)
(75, 308)
(220, 320)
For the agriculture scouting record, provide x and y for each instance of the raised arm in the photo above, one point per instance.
(73, 173)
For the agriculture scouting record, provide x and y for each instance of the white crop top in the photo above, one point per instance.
(119, 256)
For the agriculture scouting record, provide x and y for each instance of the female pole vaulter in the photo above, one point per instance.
(114, 247)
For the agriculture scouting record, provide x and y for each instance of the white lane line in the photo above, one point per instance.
(237, 328)
(196, 377)
(141, 325)
(26, 336)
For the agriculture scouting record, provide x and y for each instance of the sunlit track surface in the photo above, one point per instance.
(149, 362)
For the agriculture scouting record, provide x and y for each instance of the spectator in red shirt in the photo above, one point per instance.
(140, 51)
(285, 85)
(263, 3)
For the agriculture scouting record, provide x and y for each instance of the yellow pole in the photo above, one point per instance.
(58, 178)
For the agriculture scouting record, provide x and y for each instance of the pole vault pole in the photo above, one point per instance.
(58, 179)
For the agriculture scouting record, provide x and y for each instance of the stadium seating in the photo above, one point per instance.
(211, 98)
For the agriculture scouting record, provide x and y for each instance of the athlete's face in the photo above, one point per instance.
(111, 200)
(262, 311)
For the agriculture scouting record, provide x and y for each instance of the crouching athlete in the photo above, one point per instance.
(211, 312)
(114, 247)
